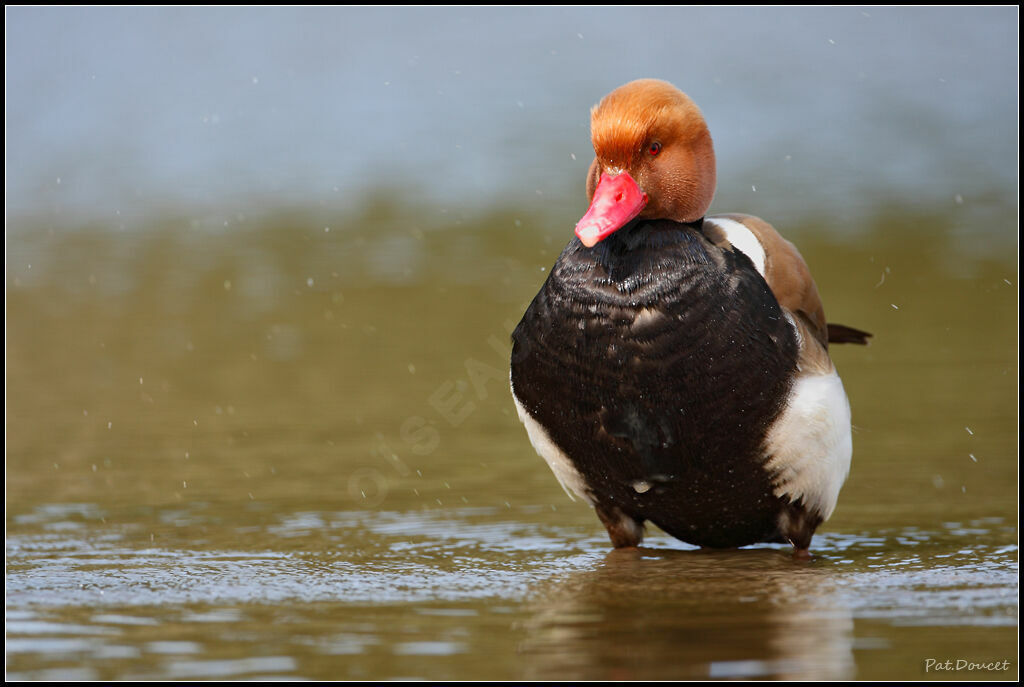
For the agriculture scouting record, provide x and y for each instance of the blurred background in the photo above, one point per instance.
(119, 113)
(261, 270)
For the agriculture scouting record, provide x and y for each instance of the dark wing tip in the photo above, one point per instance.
(840, 333)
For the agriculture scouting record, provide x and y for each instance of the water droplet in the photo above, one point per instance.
(641, 486)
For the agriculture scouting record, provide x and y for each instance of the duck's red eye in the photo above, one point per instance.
(654, 148)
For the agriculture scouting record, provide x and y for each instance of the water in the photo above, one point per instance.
(480, 593)
(112, 111)
(259, 427)
(284, 452)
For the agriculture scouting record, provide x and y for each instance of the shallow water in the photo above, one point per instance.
(261, 271)
(492, 592)
(275, 451)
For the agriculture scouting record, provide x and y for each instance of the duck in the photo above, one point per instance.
(674, 367)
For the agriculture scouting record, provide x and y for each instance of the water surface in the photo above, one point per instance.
(261, 271)
(288, 452)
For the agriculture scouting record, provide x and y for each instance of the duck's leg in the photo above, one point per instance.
(624, 530)
(797, 525)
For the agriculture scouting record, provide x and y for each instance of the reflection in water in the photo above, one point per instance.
(488, 593)
(664, 615)
(189, 405)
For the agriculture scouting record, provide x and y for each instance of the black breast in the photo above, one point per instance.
(657, 361)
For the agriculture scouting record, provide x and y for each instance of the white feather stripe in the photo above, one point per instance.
(810, 444)
(743, 240)
(570, 478)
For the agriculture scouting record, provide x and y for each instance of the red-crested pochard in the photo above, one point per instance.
(674, 367)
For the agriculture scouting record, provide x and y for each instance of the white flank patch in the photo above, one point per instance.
(743, 240)
(810, 444)
(570, 479)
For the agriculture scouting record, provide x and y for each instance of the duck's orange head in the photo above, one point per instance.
(653, 159)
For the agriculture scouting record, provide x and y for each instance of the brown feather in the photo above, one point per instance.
(680, 184)
(788, 275)
(680, 181)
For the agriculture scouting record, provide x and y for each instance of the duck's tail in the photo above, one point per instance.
(840, 333)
